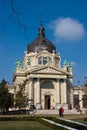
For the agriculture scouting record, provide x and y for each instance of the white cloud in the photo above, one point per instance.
(73, 63)
(68, 29)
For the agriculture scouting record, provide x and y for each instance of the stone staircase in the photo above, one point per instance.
(54, 112)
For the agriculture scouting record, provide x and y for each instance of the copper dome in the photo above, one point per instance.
(41, 43)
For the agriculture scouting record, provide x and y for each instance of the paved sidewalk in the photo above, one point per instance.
(74, 122)
(52, 122)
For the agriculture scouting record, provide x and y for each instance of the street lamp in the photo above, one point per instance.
(79, 98)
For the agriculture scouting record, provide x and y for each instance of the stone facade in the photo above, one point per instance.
(48, 84)
(45, 81)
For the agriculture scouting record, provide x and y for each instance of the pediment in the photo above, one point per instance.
(48, 69)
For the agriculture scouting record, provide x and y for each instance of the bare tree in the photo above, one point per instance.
(14, 17)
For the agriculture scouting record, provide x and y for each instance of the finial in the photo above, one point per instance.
(53, 51)
(41, 28)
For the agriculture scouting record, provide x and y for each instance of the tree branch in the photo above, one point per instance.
(13, 17)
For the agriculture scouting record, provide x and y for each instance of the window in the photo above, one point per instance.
(40, 60)
(76, 99)
(44, 60)
(28, 60)
(47, 85)
(84, 101)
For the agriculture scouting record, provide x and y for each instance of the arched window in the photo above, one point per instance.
(44, 60)
(40, 60)
(47, 85)
(28, 61)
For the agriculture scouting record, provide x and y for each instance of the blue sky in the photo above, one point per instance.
(65, 23)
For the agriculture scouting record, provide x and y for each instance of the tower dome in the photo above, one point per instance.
(41, 43)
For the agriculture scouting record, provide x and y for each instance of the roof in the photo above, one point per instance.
(41, 43)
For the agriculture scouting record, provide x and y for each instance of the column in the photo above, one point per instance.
(64, 94)
(60, 91)
(80, 98)
(71, 98)
(31, 98)
(65, 91)
(38, 104)
(58, 94)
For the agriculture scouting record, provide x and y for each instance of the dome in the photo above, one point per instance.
(41, 43)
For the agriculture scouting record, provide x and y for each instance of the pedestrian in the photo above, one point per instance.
(61, 111)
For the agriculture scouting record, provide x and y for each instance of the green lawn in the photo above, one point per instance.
(81, 120)
(22, 125)
(17, 122)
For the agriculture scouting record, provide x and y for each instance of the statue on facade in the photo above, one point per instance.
(68, 64)
(19, 63)
(65, 63)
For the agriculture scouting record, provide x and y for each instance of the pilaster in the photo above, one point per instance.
(65, 91)
(38, 103)
(31, 95)
(58, 94)
(64, 94)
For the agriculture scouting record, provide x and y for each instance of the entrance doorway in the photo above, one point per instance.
(76, 101)
(47, 101)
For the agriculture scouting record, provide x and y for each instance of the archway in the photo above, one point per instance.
(46, 91)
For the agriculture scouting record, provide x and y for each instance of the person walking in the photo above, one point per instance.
(61, 111)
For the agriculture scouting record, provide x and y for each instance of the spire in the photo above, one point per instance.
(41, 29)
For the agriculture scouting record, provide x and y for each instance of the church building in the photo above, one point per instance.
(49, 85)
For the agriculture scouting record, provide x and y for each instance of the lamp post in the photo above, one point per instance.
(78, 95)
(79, 100)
